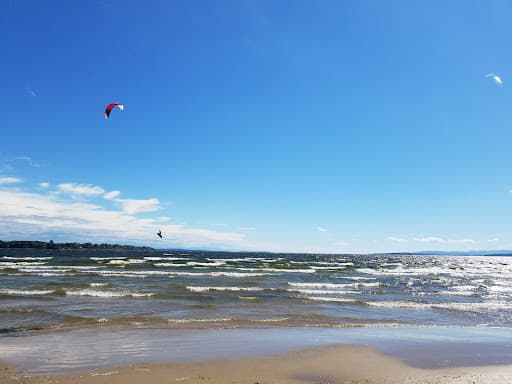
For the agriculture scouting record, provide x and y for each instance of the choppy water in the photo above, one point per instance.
(52, 289)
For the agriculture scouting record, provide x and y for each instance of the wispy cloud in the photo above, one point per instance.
(397, 239)
(132, 206)
(80, 189)
(218, 225)
(111, 195)
(497, 80)
(31, 92)
(44, 185)
(10, 163)
(321, 229)
(493, 240)
(6, 167)
(430, 239)
(440, 240)
(247, 228)
(9, 180)
(28, 160)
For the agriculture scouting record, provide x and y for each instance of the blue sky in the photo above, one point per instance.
(331, 126)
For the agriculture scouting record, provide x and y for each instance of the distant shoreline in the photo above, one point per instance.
(36, 244)
(28, 244)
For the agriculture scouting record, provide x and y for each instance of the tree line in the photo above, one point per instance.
(51, 245)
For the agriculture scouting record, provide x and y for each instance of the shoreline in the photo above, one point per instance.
(348, 364)
(98, 349)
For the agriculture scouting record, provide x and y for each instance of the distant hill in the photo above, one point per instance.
(503, 252)
(52, 245)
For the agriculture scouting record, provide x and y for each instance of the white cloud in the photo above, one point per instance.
(132, 206)
(9, 180)
(247, 229)
(32, 214)
(81, 189)
(495, 78)
(397, 239)
(493, 240)
(111, 195)
(44, 185)
(430, 239)
(321, 229)
(440, 240)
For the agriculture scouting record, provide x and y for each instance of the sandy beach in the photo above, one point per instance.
(160, 317)
(329, 364)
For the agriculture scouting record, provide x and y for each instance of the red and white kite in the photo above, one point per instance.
(111, 106)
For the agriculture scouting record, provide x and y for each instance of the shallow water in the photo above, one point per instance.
(86, 349)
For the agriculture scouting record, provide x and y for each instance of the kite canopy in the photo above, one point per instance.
(110, 107)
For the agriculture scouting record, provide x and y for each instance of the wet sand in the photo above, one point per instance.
(345, 364)
(91, 348)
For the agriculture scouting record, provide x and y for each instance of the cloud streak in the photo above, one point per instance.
(133, 206)
(31, 92)
(9, 180)
(80, 189)
(440, 240)
(111, 195)
(28, 159)
(397, 239)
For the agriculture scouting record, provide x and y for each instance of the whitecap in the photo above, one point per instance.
(469, 307)
(333, 299)
(106, 294)
(26, 258)
(216, 274)
(199, 264)
(234, 289)
(321, 291)
(26, 292)
(280, 270)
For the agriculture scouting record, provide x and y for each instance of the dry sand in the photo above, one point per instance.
(346, 364)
